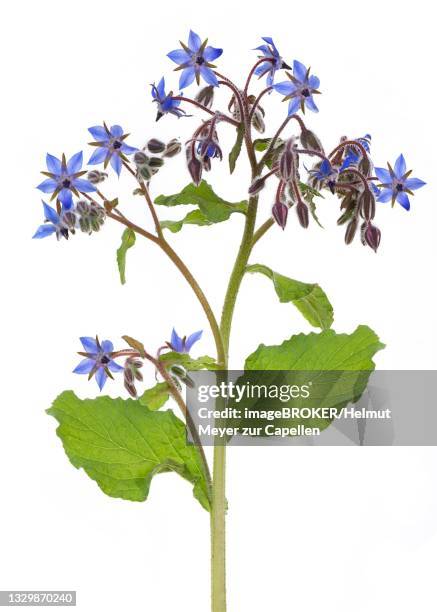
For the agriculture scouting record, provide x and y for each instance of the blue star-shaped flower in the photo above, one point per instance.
(64, 179)
(324, 174)
(396, 184)
(54, 224)
(183, 345)
(269, 68)
(299, 89)
(194, 59)
(98, 360)
(110, 146)
(166, 102)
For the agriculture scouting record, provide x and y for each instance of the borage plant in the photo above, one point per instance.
(123, 443)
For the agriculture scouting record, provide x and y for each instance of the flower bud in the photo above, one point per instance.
(85, 225)
(155, 146)
(257, 185)
(156, 162)
(205, 96)
(258, 120)
(310, 141)
(287, 161)
(351, 230)
(280, 213)
(173, 147)
(195, 170)
(82, 207)
(365, 166)
(145, 172)
(366, 202)
(302, 214)
(372, 236)
(95, 176)
(69, 219)
(140, 158)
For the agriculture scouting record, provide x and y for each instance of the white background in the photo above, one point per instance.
(308, 529)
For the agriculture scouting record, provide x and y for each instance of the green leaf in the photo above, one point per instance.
(309, 299)
(184, 359)
(261, 145)
(210, 207)
(326, 350)
(121, 445)
(155, 397)
(309, 193)
(236, 149)
(135, 344)
(127, 241)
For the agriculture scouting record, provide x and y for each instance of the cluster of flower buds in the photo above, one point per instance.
(132, 372)
(152, 157)
(90, 216)
(201, 148)
(96, 176)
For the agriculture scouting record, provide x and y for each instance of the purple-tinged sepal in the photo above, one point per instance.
(280, 213)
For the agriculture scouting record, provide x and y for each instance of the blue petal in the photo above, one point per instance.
(176, 341)
(99, 133)
(385, 196)
(285, 88)
(264, 49)
(293, 106)
(50, 214)
(84, 367)
(192, 339)
(309, 103)
(187, 77)
(116, 131)
(208, 75)
(179, 56)
(101, 378)
(44, 230)
(66, 198)
(48, 186)
(414, 183)
(384, 176)
(75, 163)
(299, 71)
(269, 40)
(116, 163)
(89, 344)
(114, 367)
(212, 53)
(127, 150)
(403, 200)
(161, 88)
(53, 164)
(400, 166)
(194, 42)
(314, 82)
(107, 346)
(83, 185)
(98, 156)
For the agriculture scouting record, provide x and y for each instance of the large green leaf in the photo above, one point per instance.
(121, 445)
(309, 299)
(210, 207)
(324, 351)
(127, 241)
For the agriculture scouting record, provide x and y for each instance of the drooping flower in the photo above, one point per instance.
(324, 174)
(194, 59)
(269, 68)
(299, 89)
(183, 345)
(56, 223)
(396, 184)
(354, 155)
(64, 179)
(98, 360)
(166, 102)
(111, 147)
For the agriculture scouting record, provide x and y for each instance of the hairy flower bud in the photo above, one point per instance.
(140, 158)
(371, 235)
(310, 141)
(366, 202)
(145, 172)
(205, 96)
(287, 161)
(257, 185)
(280, 213)
(91, 216)
(302, 214)
(156, 162)
(69, 220)
(351, 230)
(365, 166)
(155, 146)
(195, 169)
(172, 148)
(95, 176)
